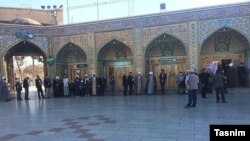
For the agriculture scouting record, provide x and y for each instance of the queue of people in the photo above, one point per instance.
(188, 82)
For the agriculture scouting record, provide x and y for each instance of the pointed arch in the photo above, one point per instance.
(71, 53)
(116, 58)
(22, 43)
(212, 31)
(22, 48)
(224, 40)
(165, 45)
(113, 50)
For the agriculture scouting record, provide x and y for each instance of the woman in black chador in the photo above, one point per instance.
(56, 87)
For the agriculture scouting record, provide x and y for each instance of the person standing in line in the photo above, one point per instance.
(203, 82)
(94, 84)
(112, 83)
(130, 83)
(18, 86)
(192, 81)
(225, 81)
(56, 87)
(101, 85)
(179, 79)
(138, 83)
(61, 87)
(125, 84)
(26, 88)
(77, 86)
(47, 85)
(162, 78)
(82, 89)
(4, 89)
(241, 75)
(218, 83)
(210, 84)
(151, 84)
(65, 85)
(39, 87)
(86, 85)
(71, 88)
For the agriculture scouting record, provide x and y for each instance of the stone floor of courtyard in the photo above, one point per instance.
(120, 118)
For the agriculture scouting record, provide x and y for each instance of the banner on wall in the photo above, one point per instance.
(212, 66)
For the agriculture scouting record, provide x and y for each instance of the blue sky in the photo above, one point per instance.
(117, 9)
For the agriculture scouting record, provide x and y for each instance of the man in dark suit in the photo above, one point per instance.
(101, 85)
(39, 87)
(242, 75)
(162, 78)
(47, 85)
(18, 86)
(125, 84)
(130, 83)
(26, 88)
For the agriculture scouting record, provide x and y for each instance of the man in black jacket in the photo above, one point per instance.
(162, 78)
(18, 86)
(39, 87)
(125, 84)
(56, 87)
(26, 88)
(47, 85)
(130, 83)
(101, 85)
(203, 82)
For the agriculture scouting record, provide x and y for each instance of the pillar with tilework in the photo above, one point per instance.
(92, 59)
(139, 58)
(193, 53)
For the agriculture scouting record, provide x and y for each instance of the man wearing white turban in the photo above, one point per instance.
(138, 83)
(94, 84)
(151, 83)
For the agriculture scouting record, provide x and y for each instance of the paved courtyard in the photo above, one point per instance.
(119, 118)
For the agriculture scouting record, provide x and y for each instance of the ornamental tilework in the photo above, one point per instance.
(178, 31)
(9, 41)
(193, 45)
(237, 42)
(240, 24)
(119, 51)
(79, 40)
(91, 53)
(167, 18)
(124, 36)
(41, 42)
(139, 56)
(138, 32)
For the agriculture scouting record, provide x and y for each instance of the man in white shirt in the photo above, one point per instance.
(192, 81)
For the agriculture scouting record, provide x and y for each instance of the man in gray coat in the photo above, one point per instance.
(192, 81)
(218, 83)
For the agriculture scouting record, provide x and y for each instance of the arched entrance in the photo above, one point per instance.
(223, 47)
(71, 60)
(22, 50)
(115, 57)
(168, 53)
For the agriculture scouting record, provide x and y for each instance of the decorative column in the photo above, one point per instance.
(91, 56)
(193, 46)
(50, 58)
(1, 60)
(139, 58)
